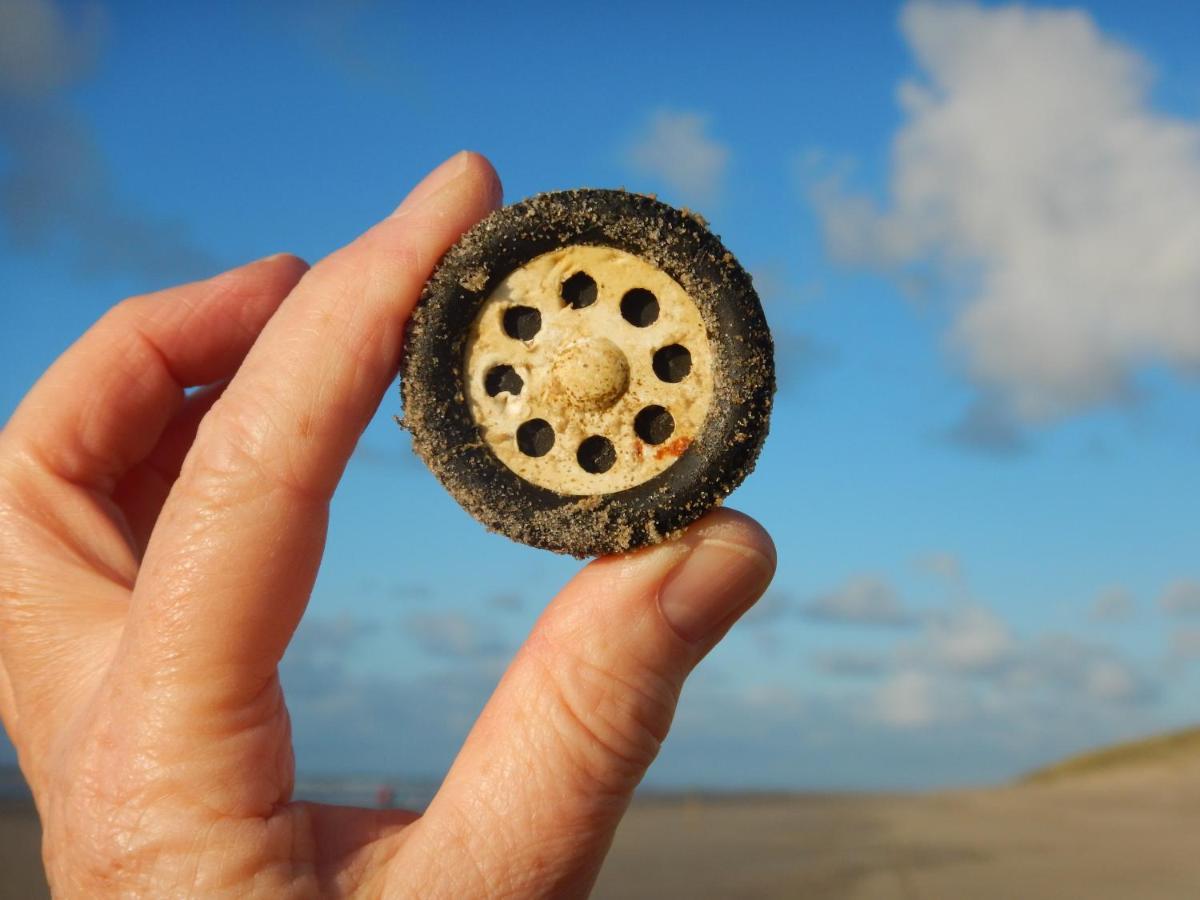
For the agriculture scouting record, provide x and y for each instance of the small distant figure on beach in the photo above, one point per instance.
(385, 797)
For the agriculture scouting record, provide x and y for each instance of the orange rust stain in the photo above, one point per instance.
(675, 448)
(638, 446)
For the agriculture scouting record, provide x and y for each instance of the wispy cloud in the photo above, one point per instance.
(863, 600)
(968, 638)
(1185, 645)
(772, 608)
(988, 426)
(852, 663)
(57, 185)
(960, 696)
(507, 602)
(945, 566)
(915, 698)
(952, 703)
(40, 51)
(316, 658)
(453, 634)
(968, 666)
(1082, 671)
(1060, 211)
(962, 665)
(348, 720)
(676, 148)
(1181, 598)
(1113, 604)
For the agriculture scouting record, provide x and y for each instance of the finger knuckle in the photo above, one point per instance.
(611, 723)
(238, 456)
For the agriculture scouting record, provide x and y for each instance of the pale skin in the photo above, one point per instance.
(157, 550)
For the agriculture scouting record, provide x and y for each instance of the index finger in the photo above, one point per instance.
(229, 568)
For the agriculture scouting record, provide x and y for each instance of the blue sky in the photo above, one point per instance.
(974, 230)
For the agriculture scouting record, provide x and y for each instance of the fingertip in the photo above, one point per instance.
(736, 528)
(273, 276)
(482, 170)
(280, 273)
(730, 562)
(465, 168)
(284, 262)
(703, 580)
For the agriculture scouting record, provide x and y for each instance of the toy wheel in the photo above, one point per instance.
(588, 371)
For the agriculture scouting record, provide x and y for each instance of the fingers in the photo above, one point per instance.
(102, 406)
(230, 565)
(535, 795)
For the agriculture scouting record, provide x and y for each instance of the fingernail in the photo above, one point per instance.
(434, 182)
(716, 580)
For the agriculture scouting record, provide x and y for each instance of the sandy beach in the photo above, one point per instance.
(1116, 837)
(1112, 840)
(20, 846)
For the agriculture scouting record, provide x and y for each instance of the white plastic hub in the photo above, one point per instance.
(588, 370)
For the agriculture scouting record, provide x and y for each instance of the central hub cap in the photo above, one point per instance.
(592, 373)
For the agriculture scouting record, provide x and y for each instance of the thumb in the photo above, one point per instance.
(538, 789)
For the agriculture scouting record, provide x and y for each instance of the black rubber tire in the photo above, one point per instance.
(444, 431)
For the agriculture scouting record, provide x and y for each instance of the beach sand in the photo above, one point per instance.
(1136, 839)
(1130, 837)
(20, 852)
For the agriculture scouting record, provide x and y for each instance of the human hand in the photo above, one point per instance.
(157, 550)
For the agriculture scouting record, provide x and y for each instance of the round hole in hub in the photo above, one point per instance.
(502, 378)
(579, 290)
(535, 437)
(639, 307)
(522, 322)
(672, 363)
(654, 424)
(596, 454)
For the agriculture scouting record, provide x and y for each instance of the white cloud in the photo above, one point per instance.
(351, 718)
(988, 426)
(914, 698)
(1031, 169)
(908, 715)
(1185, 645)
(769, 610)
(1181, 598)
(1111, 680)
(56, 181)
(676, 148)
(453, 633)
(1073, 671)
(40, 51)
(906, 700)
(863, 600)
(969, 639)
(1113, 604)
(968, 666)
(852, 663)
(944, 566)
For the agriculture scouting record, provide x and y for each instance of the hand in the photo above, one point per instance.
(157, 549)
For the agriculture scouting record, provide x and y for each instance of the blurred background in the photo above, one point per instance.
(975, 229)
